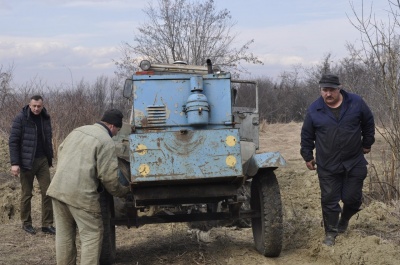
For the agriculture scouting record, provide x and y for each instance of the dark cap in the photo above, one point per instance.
(329, 80)
(114, 117)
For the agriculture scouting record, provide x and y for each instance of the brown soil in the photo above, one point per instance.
(373, 236)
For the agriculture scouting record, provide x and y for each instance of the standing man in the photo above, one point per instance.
(340, 126)
(31, 154)
(87, 162)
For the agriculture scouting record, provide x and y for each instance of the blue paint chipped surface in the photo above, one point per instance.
(182, 156)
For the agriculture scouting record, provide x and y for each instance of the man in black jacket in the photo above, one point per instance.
(31, 154)
(341, 127)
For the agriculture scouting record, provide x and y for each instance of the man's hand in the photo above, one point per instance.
(311, 165)
(15, 170)
(366, 150)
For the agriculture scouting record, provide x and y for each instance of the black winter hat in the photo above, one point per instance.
(114, 117)
(329, 80)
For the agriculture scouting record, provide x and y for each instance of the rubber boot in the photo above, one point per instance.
(329, 239)
(347, 213)
(342, 226)
(331, 228)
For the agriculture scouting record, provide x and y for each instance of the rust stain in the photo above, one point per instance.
(144, 122)
(183, 144)
(184, 137)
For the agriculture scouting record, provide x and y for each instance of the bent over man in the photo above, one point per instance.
(340, 126)
(87, 162)
(31, 154)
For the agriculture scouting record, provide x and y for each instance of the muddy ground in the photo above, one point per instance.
(373, 236)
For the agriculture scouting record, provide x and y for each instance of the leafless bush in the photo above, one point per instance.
(380, 55)
(383, 183)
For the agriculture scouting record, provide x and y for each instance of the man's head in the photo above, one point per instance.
(113, 119)
(36, 104)
(330, 90)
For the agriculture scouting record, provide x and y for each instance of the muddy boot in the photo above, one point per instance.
(347, 213)
(331, 228)
(342, 226)
(329, 239)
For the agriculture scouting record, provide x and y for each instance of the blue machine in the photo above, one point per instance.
(189, 154)
(183, 129)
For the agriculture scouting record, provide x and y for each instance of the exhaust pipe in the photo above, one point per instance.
(209, 66)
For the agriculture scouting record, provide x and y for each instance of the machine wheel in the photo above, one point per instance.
(268, 228)
(108, 248)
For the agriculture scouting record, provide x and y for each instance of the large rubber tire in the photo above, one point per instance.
(108, 248)
(268, 228)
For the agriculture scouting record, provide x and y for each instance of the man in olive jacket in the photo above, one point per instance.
(87, 162)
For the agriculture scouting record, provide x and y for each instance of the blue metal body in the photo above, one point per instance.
(183, 130)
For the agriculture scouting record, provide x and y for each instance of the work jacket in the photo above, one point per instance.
(86, 160)
(339, 142)
(23, 138)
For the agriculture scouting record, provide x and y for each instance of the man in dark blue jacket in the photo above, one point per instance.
(340, 126)
(31, 154)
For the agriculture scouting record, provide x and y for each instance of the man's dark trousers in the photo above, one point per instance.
(40, 169)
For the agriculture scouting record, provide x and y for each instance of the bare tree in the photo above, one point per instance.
(5, 84)
(6, 97)
(99, 93)
(381, 57)
(191, 31)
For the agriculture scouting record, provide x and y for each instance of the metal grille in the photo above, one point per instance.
(157, 115)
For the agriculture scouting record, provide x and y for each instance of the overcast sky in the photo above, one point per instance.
(59, 41)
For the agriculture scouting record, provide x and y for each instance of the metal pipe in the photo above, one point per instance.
(209, 66)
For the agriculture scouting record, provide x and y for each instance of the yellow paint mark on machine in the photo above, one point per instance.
(230, 161)
(144, 170)
(230, 140)
(141, 149)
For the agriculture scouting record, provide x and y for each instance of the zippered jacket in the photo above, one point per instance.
(23, 138)
(338, 142)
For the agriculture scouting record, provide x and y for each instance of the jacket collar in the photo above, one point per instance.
(108, 130)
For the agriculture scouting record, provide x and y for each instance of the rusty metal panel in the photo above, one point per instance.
(263, 160)
(185, 155)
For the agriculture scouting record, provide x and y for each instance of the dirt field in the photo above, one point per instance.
(373, 236)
